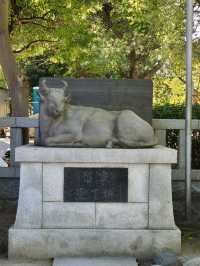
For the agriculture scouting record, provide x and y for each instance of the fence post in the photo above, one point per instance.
(181, 149)
(161, 135)
(37, 135)
(15, 141)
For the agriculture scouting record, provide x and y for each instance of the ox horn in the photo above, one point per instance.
(44, 88)
(65, 83)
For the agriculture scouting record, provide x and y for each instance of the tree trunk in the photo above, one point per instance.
(132, 63)
(18, 92)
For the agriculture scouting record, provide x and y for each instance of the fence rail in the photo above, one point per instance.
(16, 125)
(161, 126)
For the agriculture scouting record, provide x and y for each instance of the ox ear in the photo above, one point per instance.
(42, 97)
(43, 91)
(65, 87)
(65, 84)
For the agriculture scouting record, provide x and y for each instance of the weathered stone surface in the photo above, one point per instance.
(158, 154)
(68, 215)
(122, 215)
(29, 211)
(98, 261)
(116, 236)
(192, 262)
(166, 258)
(53, 182)
(160, 197)
(6, 262)
(138, 183)
(161, 237)
(64, 124)
(50, 243)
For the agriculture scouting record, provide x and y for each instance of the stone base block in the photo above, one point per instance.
(6, 262)
(97, 261)
(51, 243)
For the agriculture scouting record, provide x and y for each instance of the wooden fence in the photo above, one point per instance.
(9, 176)
(161, 126)
(15, 124)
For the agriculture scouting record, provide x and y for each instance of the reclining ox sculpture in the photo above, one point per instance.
(80, 126)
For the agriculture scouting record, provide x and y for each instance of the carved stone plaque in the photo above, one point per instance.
(95, 184)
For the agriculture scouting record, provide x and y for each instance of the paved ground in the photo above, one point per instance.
(190, 244)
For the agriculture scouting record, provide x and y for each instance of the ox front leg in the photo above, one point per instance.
(111, 143)
(62, 139)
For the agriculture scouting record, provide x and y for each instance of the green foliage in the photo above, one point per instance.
(106, 39)
(168, 91)
(98, 37)
(40, 66)
(174, 111)
(168, 111)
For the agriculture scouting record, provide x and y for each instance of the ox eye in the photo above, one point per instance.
(51, 105)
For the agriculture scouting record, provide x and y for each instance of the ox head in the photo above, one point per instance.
(54, 99)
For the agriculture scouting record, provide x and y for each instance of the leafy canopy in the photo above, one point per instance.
(109, 38)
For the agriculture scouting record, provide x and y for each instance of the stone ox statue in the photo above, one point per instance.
(80, 126)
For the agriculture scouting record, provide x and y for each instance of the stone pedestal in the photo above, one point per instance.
(48, 227)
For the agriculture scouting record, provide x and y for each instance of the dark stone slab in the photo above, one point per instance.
(95, 185)
(110, 94)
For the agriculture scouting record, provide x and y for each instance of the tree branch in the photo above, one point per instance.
(104, 14)
(132, 63)
(35, 17)
(151, 72)
(30, 44)
(182, 80)
(109, 24)
(37, 24)
(16, 10)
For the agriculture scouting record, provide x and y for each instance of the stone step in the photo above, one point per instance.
(7, 262)
(95, 261)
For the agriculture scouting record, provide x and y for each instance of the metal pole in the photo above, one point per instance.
(188, 114)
